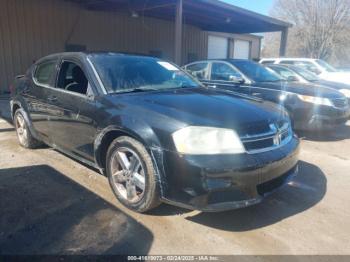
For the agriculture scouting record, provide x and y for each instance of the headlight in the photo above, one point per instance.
(316, 100)
(346, 92)
(201, 140)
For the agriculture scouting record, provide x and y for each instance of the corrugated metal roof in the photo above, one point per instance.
(210, 15)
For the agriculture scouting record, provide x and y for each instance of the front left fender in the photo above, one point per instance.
(138, 130)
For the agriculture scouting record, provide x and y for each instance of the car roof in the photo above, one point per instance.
(289, 58)
(88, 53)
(220, 59)
(277, 65)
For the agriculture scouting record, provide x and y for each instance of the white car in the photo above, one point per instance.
(317, 66)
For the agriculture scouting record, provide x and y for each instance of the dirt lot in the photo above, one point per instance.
(52, 204)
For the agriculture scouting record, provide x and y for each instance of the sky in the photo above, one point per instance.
(259, 6)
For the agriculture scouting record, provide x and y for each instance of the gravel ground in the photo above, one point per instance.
(51, 204)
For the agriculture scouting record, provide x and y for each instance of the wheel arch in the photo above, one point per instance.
(14, 107)
(17, 107)
(107, 136)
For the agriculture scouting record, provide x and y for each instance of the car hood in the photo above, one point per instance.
(309, 89)
(201, 106)
(340, 77)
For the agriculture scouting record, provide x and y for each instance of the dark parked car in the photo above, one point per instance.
(155, 131)
(293, 73)
(310, 107)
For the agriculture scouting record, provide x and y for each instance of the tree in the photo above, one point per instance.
(320, 27)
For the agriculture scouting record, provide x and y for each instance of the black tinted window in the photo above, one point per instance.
(121, 73)
(222, 71)
(198, 70)
(44, 72)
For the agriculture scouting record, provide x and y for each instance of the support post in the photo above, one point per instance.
(284, 40)
(178, 32)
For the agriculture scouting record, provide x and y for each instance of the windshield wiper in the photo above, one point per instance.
(135, 90)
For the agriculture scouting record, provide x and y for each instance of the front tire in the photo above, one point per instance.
(132, 175)
(24, 135)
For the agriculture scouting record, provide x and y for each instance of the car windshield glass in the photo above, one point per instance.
(286, 73)
(309, 76)
(256, 72)
(122, 73)
(326, 66)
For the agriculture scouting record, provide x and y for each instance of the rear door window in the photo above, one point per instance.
(199, 70)
(44, 72)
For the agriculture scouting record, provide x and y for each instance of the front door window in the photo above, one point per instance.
(198, 70)
(223, 72)
(72, 78)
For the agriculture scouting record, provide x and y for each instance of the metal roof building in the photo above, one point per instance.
(178, 30)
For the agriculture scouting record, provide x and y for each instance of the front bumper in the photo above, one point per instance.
(223, 182)
(319, 118)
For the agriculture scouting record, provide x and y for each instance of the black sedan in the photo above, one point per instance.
(311, 107)
(155, 131)
(293, 73)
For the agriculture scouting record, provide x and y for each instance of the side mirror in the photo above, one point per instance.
(236, 79)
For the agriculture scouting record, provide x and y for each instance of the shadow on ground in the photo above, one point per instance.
(339, 133)
(4, 130)
(305, 191)
(44, 212)
(168, 210)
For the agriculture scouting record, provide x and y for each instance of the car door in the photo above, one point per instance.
(74, 128)
(225, 76)
(37, 93)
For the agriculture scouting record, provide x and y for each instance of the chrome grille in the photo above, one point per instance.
(340, 102)
(279, 134)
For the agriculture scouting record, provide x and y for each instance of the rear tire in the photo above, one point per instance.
(24, 135)
(132, 175)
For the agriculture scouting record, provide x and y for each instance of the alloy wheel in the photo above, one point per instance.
(128, 174)
(21, 129)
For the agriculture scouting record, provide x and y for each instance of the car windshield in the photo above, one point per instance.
(122, 73)
(256, 72)
(285, 73)
(326, 66)
(309, 76)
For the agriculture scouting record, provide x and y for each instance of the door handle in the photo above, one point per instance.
(211, 86)
(52, 98)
